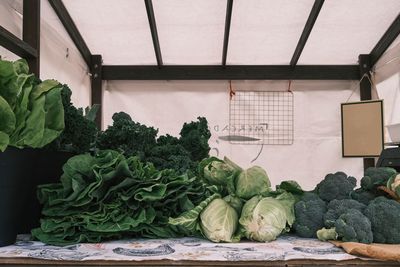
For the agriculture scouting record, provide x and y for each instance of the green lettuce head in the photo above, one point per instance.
(264, 219)
(251, 182)
(219, 221)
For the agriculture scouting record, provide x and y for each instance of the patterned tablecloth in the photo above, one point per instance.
(285, 248)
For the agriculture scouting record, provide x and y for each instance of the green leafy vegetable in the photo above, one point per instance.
(31, 112)
(109, 196)
(80, 130)
(165, 152)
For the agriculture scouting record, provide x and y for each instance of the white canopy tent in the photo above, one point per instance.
(262, 32)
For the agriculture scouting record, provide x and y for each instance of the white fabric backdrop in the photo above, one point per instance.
(317, 141)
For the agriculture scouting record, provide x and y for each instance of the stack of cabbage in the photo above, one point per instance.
(246, 206)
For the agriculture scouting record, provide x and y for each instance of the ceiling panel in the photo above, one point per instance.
(347, 28)
(266, 31)
(118, 30)
(190, 31)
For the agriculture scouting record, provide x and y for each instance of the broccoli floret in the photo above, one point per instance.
(374, 177)
(335, 186)
(338, 207)
(384, 215)
(351, 226)
(194, 138)
(309, 213)
(79, 134)
(363, 196)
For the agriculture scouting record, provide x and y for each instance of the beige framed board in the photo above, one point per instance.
(362, 128)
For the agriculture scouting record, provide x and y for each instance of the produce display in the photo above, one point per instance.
(128, 181)
(31, 111)
(109, 195)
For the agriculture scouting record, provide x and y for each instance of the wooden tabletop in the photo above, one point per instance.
(303, 262)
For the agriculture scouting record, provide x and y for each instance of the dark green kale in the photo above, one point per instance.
(79, 134)
(166, 151)
(133, 138)
(194, 138)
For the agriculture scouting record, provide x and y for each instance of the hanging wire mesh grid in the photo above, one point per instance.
(261, 117)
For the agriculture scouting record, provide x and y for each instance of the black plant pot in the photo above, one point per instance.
(47, 170)
(16, 167)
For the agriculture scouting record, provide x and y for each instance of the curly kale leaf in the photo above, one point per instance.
(194, 138)
(79, 134)
(134, 139)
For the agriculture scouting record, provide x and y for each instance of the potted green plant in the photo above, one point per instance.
(31, 116)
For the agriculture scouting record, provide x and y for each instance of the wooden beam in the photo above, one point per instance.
(229, 7)
(72, 30)
(153, 29)
(31, 32)
(96, 86)
(386, 40)
(15, 45)
(232, 72)
(306, 31)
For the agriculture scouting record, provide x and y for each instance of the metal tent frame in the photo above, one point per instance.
(29, 48)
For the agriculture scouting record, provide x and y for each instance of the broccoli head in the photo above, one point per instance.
(374, 177)
(338, 207)
(362, 196)
(309, 213)
(351, 226)
(335, 186)
(384, 215)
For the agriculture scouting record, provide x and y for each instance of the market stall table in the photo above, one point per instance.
(286, 251)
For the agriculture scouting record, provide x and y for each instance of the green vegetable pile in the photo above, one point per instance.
(109, 195)
(334, 210)
(31, 112)
(166, 151)
(245, 207)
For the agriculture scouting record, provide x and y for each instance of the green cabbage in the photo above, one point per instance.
(219, 221)
(265, 218)
(251, 182)
(218, 172)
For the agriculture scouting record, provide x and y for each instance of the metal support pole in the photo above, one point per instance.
(365, 92)
(97, 92)
(31, 32)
